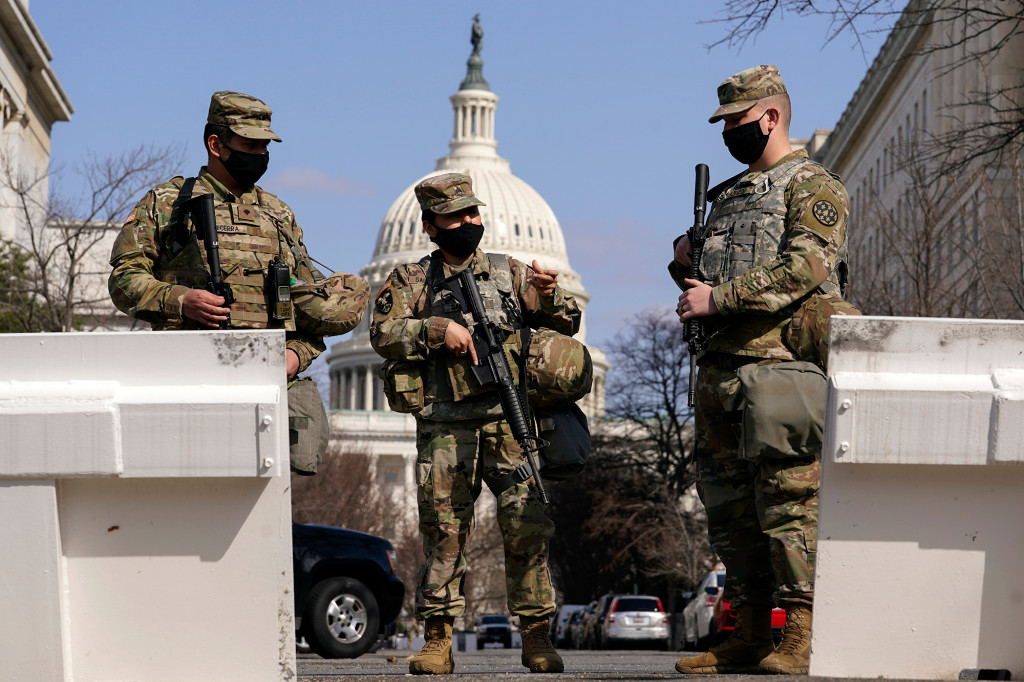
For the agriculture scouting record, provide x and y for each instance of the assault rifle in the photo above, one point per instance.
(201, 210)
(694, 330)
(493, 368)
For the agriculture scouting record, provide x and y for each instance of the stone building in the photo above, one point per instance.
(31, 101)
(518, 222)
(928, 223)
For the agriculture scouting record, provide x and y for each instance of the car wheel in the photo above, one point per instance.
(342, 618)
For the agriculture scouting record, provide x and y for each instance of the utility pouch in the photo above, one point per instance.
(784, 409)
(403, 384)
(807, 333)
(568, 436)
(559, 368)
(308, 427)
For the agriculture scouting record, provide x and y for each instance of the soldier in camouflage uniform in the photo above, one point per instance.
(462, 438)
(775, 241)
(160, 267)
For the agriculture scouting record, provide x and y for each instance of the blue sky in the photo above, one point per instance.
(603, 107)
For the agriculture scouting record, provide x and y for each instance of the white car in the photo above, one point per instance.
(561, 636)
(634, 620)
(697, 615)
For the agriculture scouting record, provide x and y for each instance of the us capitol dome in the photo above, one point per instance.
(517, 222)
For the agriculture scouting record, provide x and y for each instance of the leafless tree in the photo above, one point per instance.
(983, 123)
(631, 519)
(59, 236)
(912, 254)
(618, 530)
(345, 492)
(997, 248)
(944, 247)
(647, 394)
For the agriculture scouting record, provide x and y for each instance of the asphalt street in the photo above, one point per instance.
(504, 664)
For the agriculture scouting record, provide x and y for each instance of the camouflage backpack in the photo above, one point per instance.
(807, 333)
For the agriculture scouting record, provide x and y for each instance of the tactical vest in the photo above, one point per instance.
(250, 237)
(449, 378)
(747, 229)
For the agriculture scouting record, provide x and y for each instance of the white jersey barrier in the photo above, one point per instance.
(145, 507)
(921, 529)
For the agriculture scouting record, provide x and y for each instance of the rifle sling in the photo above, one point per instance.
(181, 233)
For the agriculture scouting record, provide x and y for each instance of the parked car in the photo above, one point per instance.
(724, 620)
(347, 594)
(577, 625)
(595, 621)
(560, 634)
(493, 627)
(697, 614)
(635, 619)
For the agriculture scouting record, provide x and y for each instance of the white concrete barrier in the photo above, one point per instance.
(920, 570)
(145, 511)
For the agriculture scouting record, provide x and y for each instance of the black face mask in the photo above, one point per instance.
(460, 241)
(746, 142)
(246, 168)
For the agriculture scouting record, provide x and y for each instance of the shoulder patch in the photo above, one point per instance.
(825, 212)
(131, 217)
(384, 302)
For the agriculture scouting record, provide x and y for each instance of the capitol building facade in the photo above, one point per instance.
(517, 222)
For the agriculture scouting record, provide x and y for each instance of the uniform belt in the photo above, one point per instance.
(727, 360)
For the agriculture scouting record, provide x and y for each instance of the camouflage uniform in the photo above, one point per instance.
(462, 439)
(775, 239)
(156, 260)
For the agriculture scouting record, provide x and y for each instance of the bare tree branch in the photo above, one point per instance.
(65, 275)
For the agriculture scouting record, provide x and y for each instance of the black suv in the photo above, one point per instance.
(347, 594)
(493, 628)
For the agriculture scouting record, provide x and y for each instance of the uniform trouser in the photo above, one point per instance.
(454, 458)
(762, 514)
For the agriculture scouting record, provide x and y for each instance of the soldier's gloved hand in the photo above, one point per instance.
(683, 250)
(544, 281)
(204, 307)
(459, 341)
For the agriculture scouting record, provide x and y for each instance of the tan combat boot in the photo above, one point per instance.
(794, 652)
(750, 641)
(539, 653)
(435, 658)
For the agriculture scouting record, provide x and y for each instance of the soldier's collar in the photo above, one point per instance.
(222, 193)
(757, 177)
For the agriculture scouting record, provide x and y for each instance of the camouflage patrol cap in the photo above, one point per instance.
(446, 193)
(243, 114)
(559, 368)
(741, 92)
(331, 306)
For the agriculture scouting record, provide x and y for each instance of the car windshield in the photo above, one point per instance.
(492, 620)
(721, 579)
(637, 604)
